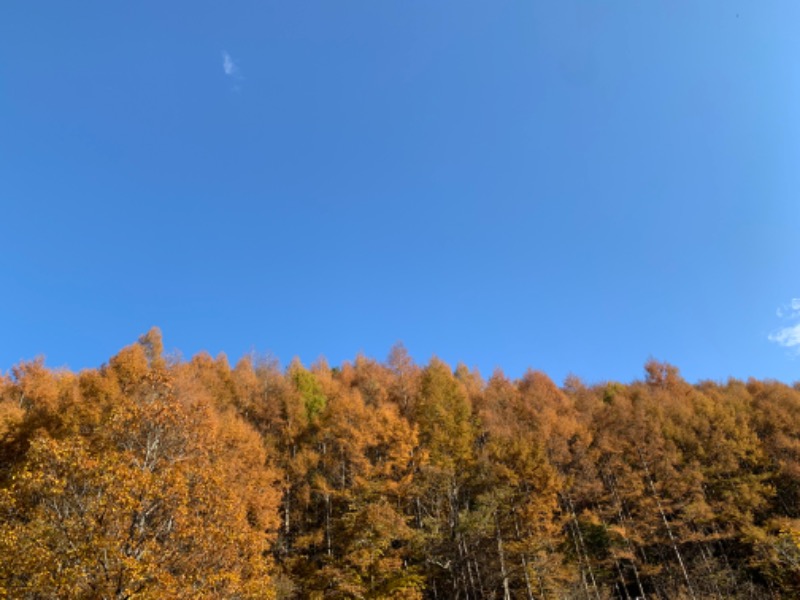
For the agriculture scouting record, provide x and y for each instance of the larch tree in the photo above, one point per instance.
(144, 501)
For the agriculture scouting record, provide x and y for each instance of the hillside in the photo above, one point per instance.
(158, 477)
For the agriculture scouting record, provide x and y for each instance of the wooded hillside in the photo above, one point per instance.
(158, 477)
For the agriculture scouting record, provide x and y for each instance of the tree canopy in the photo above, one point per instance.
(157, 477)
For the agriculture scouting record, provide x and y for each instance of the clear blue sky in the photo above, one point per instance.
(571, 186)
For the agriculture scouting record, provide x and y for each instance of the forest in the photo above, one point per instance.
(155, 476)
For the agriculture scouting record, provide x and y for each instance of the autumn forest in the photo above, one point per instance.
(156, 476)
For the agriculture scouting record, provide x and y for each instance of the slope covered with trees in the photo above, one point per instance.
(157, 477)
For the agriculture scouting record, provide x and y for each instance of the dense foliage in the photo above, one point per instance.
(156, 477)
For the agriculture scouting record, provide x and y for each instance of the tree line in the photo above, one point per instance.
(159, 477)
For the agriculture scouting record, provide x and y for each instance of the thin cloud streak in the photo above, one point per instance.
(231, 68)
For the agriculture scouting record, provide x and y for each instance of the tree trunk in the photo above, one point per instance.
(501, 554)
(672, 538)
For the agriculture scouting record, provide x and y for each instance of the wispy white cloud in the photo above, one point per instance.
(231, 68)
(790, 310)
(788, 336)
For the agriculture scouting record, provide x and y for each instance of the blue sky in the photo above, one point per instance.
(570, 186)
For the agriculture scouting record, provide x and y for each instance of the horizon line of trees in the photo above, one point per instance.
(159, 477)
